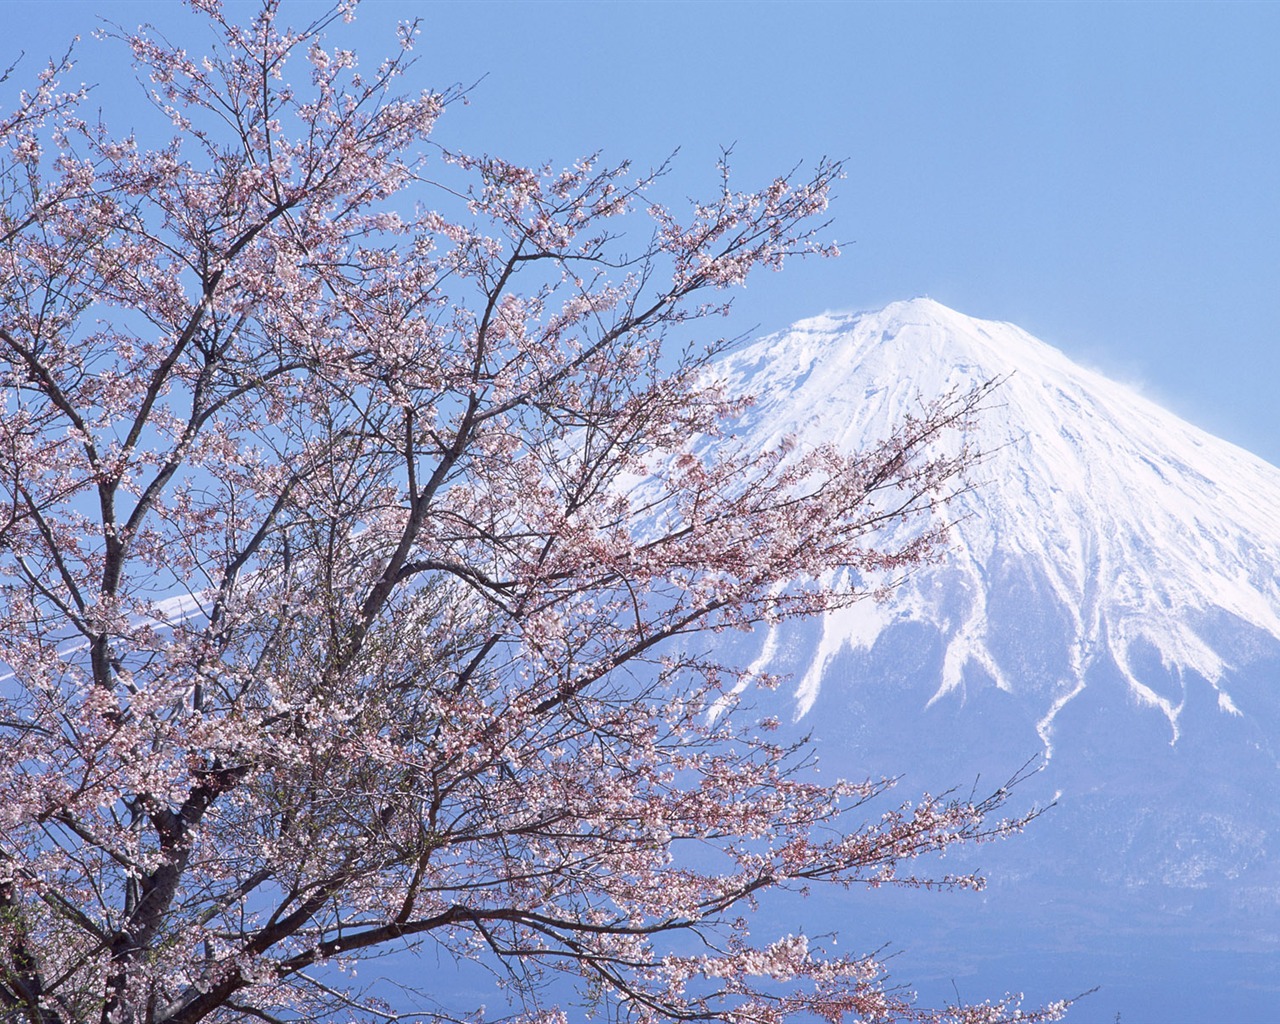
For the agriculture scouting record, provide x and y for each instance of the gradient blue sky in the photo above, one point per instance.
(1106, 175)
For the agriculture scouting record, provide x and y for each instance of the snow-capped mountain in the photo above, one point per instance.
(1149, 537)
(1111, 600)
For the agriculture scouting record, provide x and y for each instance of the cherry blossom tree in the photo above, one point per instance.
(360, 500)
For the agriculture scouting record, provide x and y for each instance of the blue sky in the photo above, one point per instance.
(1105, 175)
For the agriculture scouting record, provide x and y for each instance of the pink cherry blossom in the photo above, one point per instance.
(357, 499)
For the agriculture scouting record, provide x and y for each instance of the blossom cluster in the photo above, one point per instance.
(350, 528)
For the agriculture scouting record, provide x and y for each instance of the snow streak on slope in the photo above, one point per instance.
(1142, 530)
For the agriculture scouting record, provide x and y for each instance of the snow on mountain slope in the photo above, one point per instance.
(1152, 541)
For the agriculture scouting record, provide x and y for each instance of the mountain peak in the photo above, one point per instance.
(1156, 543)
(920, 310)
(1111, 592)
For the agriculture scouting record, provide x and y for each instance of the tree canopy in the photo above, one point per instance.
(357, 496)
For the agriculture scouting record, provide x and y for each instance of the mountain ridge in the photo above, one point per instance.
(1143, 530)
(1109, 598)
